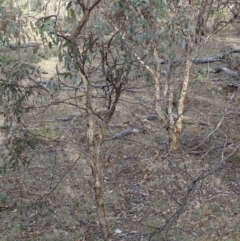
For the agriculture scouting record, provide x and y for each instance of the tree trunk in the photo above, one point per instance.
(95, 135)
(173, 142)
(158, 102)
(94, 141)
(156, 75)
(178, 127)
(95, 130)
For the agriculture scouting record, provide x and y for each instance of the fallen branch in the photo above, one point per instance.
(163, 231)
(219, 57)
(232, 73)
(216, 128)
(25, 45)
(124, 133)
(65, 117)
(118, 125)
(186, 120)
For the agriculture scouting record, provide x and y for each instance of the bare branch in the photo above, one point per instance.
(94, 5)
(191, 188)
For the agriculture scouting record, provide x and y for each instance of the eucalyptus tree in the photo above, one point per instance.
(170, 34)
(97, 64)
(159, 35)
(18, 75)
(99, 44)
(159, 30)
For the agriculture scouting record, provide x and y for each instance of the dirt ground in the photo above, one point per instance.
(51, 198)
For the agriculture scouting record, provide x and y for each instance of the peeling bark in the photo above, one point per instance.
(173, 142)
(94, 139)
(180, 107)
(95, 130)
(95, 135)
(158, 102)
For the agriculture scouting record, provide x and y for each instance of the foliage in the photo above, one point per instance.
(97, 60)
(3, 197)
(17, 82)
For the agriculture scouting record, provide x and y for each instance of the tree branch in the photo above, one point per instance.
(191, 188)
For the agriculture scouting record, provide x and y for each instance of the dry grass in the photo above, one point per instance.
(143, 182)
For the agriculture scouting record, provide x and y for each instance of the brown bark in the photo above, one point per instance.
(156, 75)
(94, 138)
(94, 141)
(158, 104)
(95, 132)
(83, 21)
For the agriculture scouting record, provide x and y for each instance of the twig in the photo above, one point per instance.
(54, 188)
(216, 128)
(124, 169)
(169, 223)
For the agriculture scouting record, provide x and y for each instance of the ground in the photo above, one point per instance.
(51, 198)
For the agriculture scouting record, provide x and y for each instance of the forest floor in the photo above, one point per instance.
(51, 198)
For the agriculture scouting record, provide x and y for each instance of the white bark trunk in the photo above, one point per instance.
(180, 107)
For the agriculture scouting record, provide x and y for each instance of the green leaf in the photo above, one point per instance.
(32, 25)
(3, 197)
(35, 50)
(69, 5)
(88, 59)
(183, 43)
(90, 183)
(57, 71)
(60, 57)
(74, 79)
(85, 58)
(72, 13)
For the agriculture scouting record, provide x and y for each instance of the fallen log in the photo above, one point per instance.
(230, 72)
(219, 57)
(127, 132)
(186, 120)
(25, 45)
